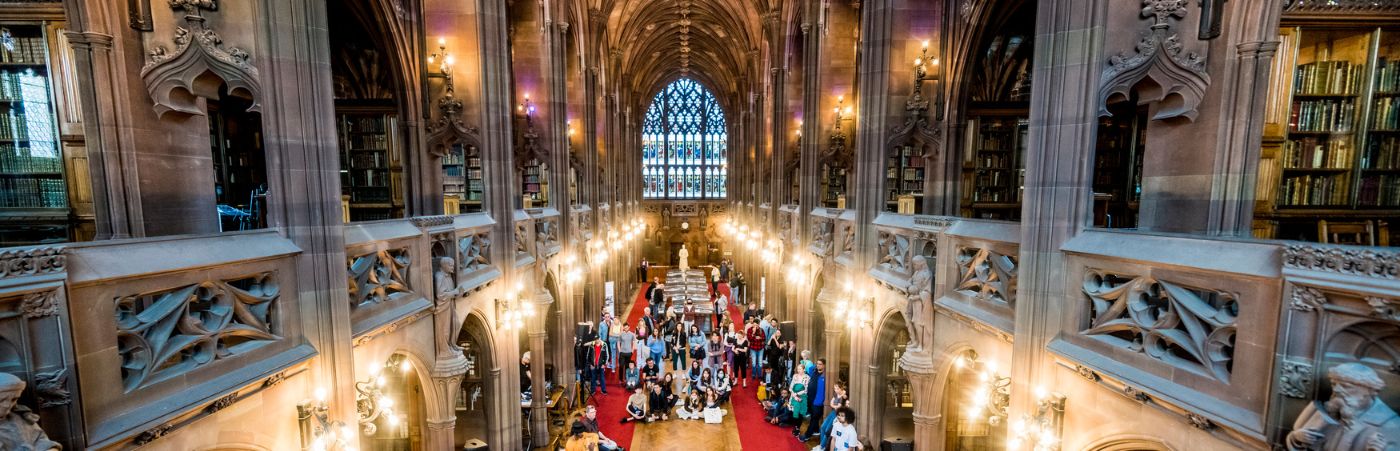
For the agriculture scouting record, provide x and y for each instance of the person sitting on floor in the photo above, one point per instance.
(580, 439)
(590, 424)
(692, 407)
(650, 371)
(713, 414)
(722, 383)
(693, 376)
(636, 406)
(632, 378)
(658, 408)
(781, 414)
(668, 388)
(706, 380)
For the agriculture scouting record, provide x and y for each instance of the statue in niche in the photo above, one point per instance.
(19, 426)
(684, 258)
(443, 285)
(1354, 418)
(666, 217)
(920, 297)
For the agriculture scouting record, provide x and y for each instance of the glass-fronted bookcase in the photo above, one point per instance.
(371, 162)
(45, 195)
(1331, 146)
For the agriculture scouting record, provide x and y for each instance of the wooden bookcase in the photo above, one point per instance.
(534, 178)
(42, 174)
(370, 161)
(834, 178)
(994, 171)
(462, 177)
(904, 174)
(1331, 147)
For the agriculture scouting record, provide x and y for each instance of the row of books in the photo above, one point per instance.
(369, 195)
(12, 84)
(1315, 190)
(373, 124)
(367, 160)
(1386, 115)
(1380, 191)
(1313, 153)
(367, 142)
(20, 161)
(361, 178)
(908, 173)
(27, 50)
(991, 195)
(458, 159)
(457, 171)
(1382, 153)
(1325, 115)
(1387, 75)
(910, 162)
(33, 193)
(1327, 78)
(994, 162)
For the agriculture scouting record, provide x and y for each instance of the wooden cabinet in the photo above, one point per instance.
(371, 162)
(994, 167)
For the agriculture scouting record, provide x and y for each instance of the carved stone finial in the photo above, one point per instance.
(1159, 56)
(171, 77)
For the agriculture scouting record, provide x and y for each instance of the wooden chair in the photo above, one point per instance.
(1355, 232)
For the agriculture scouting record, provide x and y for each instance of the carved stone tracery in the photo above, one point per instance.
(175, 79)
(987, 275)
(379, 277)
(168, 333)
(1180, 77)
(1185, 327)
(31, 261)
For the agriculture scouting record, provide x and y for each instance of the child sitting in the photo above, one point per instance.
(631, 378)
(692, 408)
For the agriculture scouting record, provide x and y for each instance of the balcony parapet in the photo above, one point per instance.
(900, 239)
(980, 271)
(788, 215)
(547, 242)
(1184, 324)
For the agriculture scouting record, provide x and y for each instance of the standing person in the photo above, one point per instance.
(657, 349)
(837, 402)
(599, 366)
(658, 298)
(651, 289)
(590, 424)
(741, 359)
(731, 341)
(625, 342)
(753, 312)
(714, 280)
(798, 403)
(724, 270)
(774, 353)
(605, 325)
(740, 288)
(679, 346)
(648, 321)
(642, 271)
(756, 340)
(769, 326)
(688, 314)
(818, 399)
(714, 351)
(614, 331)
(843, 433)
(696, 342)
(641, 349)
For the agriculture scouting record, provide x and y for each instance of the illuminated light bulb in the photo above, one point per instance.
(933, 61)
(602, 256)
(318, 444)
(320, 394)
(991, 368)
(848, 110)
(393, 420)
(388, 403)
(925, 43)
(841, 98)
(442, 41)
(1014, 443)
(404, 366)
(431, 59)
(450, 60)
(983, 376)
(960, 362)
(345, 431)
(380, 381)
(519, 287)
(1041, 393)
(918, 61)
(374, 370)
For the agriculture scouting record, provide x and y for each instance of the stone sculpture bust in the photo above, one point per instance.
(19, 426)
(1354, 418)
(443, 285)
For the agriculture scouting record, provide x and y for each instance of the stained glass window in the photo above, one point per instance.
(684, 144)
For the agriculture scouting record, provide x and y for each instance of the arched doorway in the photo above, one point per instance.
(474, 412)
(974, 405)
(896, 402)
(399, 413)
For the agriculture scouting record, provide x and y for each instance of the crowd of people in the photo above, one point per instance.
(707, 360)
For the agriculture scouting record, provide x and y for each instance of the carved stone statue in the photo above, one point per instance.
(443, 285)
(684, 258)
(1353, 419)
(920, 297)
(19, 426)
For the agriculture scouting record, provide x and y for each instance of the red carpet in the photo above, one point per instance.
(754, 433)
(612, 407)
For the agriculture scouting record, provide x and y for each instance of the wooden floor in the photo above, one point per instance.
(687, 435)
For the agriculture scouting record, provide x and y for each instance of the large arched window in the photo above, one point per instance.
(684, 144)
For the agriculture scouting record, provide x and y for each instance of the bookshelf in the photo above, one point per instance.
(462, 177)
(535, 183)
(994, 170)
(369, 158)
(834, 177)
(1331, 147)
(34, 189)
(240, 167)
(904, 174)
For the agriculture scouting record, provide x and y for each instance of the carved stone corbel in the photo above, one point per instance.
(176, 79)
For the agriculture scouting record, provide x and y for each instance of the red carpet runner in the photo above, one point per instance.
(754, 433)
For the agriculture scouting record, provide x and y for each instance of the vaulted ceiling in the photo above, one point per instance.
(715, 42)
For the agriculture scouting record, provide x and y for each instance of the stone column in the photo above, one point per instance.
(926, 394)
(1059, 159)
(440, 434)
(115, 184)
(1237, 165)
(441, 424)
(539, 406)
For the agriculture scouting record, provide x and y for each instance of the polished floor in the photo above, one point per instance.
(687, 435)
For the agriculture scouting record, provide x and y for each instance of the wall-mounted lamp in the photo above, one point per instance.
(526, 107)
(842, 113)
(572, 274)
(921, 72)
(318, 431)
(992, 395)
(1042, 430)
(512, 310)
(859, 311)
(444, 62)
(370, 400)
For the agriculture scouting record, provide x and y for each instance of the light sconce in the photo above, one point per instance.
(992, 395)
(444, 62)
(1042, 430)
(569, 268)
(318, 431)
(370, 400)
(921, 73)
(842, 113)
(858, 311)
(512, 311)
(526, 107)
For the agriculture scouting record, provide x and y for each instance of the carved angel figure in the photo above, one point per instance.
(19, 426)
(920, 297)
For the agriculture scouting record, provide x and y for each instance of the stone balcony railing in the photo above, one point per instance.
(978, 272)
